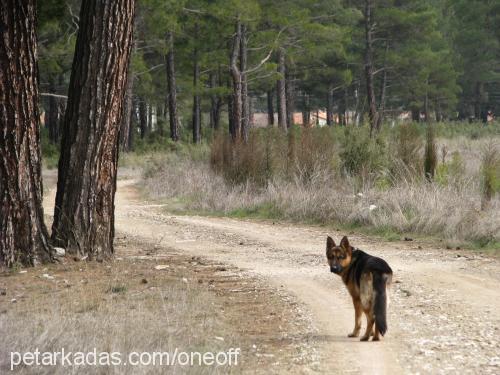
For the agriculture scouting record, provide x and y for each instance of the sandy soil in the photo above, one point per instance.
(444, 304)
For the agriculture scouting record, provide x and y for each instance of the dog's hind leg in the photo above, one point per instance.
(358, 312)
(369, 326)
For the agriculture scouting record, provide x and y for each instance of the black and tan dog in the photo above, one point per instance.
(367, 278)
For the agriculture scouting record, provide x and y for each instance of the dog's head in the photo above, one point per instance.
(339, 257)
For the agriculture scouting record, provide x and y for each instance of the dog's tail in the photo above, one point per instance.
(380, 281)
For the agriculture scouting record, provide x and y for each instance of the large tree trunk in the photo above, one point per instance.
(281, 90)
(23, 235)
(270, 108)
(86, 186)
(237, 100)
(172, 89)
(196, 97)
(370, 89)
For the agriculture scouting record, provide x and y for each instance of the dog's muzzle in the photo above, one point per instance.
(336, 269)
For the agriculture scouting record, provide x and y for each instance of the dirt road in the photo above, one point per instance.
(444, 304)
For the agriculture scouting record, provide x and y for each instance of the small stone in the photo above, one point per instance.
(13, 300)
(59, 251)
(160, 267)
(408, 239)
(3, 292)
(144, 281)
(184, 280)
(23, 271)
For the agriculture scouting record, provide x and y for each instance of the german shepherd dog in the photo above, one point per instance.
(366, 278)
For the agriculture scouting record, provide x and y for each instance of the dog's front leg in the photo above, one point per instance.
(358, 312)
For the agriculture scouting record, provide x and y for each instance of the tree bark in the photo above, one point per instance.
(381, 108)
(172, 89)
(370, 89)
(127, 114)
(215, 102)
(281, 90)
(306, 112)
(196, 120)
(290, 96)
(343, 109)
(133, 124)
(329, 107)
(237, 100)
(383, 91)
(270, 108)
(415, 114)
(143, 118)
(245, 106)
(230, 106)
(150, 118)
(23, 235)
(427, 114)
(86, 186)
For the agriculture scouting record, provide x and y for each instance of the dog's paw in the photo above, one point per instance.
(364, 338)
(375, 338)
(353, 334)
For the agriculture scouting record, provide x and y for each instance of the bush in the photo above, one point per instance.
(406, 159)
(490, 174)
(361, 155)
(451, 172)
(269, 154)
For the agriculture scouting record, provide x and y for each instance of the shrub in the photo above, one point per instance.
(490, 174)
(362, 155)
(453, 171)
(406, 159)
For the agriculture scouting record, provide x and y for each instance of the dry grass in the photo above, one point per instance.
(128, 306)
(388, 200)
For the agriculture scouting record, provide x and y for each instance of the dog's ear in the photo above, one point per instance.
(344, 243)
(330, 243)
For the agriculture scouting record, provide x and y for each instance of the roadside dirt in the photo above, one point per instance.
(444, 310)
